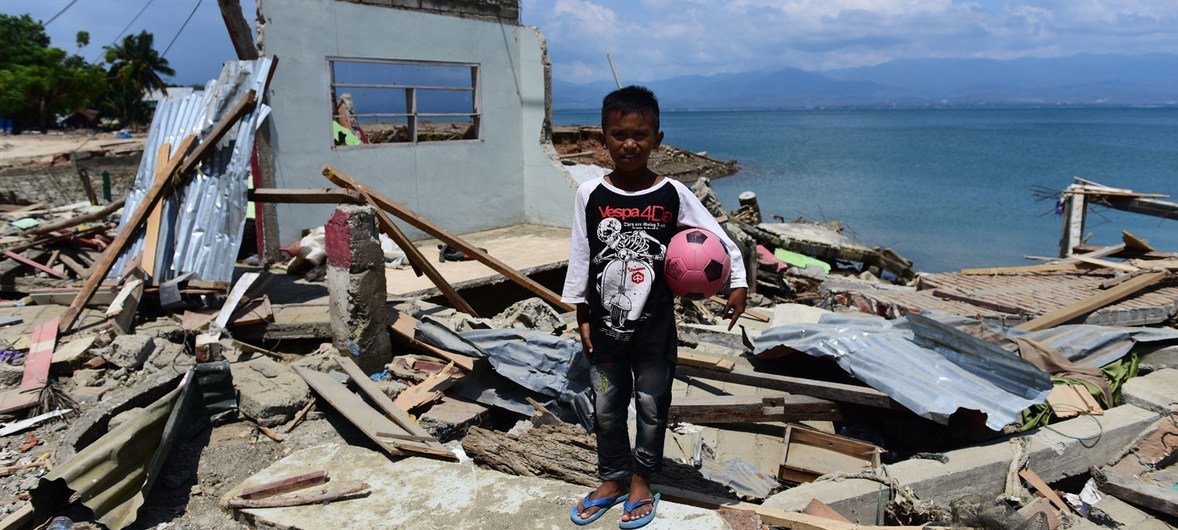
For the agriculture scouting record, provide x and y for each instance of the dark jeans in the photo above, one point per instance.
(645, 377)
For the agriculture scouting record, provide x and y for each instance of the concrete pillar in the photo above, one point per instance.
(356, 286)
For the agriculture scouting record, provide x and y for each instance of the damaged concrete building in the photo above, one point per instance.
(405, 73)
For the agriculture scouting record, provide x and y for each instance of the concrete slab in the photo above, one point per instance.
(1157, 391)
(1069, 448)
(523, 247)
(1128, 516)
(428, 494)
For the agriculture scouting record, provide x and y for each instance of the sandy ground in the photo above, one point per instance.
(25, 148)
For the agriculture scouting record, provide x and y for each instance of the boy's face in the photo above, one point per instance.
(630, 139)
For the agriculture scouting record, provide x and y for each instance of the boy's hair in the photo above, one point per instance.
(631, 100)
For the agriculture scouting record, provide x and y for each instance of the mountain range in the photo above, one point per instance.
(1080, 80)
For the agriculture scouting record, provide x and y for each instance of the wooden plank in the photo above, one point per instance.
(40, 356)
(76, 220)
(423, 224)
(18, 399)
(256, 311)
(709, 362)
(365, 418)
(305, 196)
(405, 326)
(1135, 491)
(152, 197)
(286, 485)
(950, 294)
(122, 310)
(17, 257)
(707, 410)
(234, 299)
(999, 271)
(838, 392)
(1107, 264)
(1075, 310)
(73, 265)
(820, 509)
(1036, 482)
(382, 400)
(428, 390)
(808, 454)
(419, 262)
(151, 234)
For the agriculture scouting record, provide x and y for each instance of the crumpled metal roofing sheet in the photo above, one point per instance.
(202, 228)
(111, 477)
(1086, 344)
(932, 382)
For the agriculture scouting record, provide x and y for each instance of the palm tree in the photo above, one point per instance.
(136, 67)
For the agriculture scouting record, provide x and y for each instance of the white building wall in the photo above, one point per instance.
(506, 177)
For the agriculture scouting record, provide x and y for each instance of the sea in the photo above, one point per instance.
(946, 188)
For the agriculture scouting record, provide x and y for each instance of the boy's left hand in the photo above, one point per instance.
(735, 306)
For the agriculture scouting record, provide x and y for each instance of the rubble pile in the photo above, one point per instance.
(147, 383)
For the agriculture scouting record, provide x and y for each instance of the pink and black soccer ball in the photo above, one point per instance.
(697, 264)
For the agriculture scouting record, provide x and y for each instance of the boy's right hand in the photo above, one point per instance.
(586, 344)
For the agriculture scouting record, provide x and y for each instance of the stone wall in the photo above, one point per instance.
(59, 184)
(503, 11)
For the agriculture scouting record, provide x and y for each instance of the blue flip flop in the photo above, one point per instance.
(642, 521)
(605, 503)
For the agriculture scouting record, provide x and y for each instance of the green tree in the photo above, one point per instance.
(135, 68)
(51, 83)
(83, 39)
(38, 81)
(21, 39)
(135, 60)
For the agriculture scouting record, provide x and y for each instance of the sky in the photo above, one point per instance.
(658, 39)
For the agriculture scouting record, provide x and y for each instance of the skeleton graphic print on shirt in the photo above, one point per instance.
(616, 259)
(625, 282)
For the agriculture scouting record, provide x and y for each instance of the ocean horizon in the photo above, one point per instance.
(948, 188)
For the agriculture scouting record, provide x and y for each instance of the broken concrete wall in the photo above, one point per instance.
(548, 188)
(505, 11)
(462, 185)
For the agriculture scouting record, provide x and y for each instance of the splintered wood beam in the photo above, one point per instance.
(708, 410)
(419, 262)
(151, 234)
(405, 326)
(1075, 310)
(188, 147)
(409, 216)
(78, 219)
(17, 257)
(842, 393)
(305, 196)
(40, 356)
(386, 405)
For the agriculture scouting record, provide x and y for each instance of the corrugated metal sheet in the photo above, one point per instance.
(933, 382)
(111, 477)
(202, 227)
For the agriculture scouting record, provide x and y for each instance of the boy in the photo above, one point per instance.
(622, 225)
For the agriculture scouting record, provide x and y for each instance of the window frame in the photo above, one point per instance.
(410, 99)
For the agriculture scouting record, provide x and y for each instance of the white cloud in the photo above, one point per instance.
(655, 39)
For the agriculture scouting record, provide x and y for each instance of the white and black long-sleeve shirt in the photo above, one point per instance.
(619, 242)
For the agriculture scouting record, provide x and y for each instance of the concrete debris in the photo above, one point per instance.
(269, 393)
(130, 351)
(532, 313)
